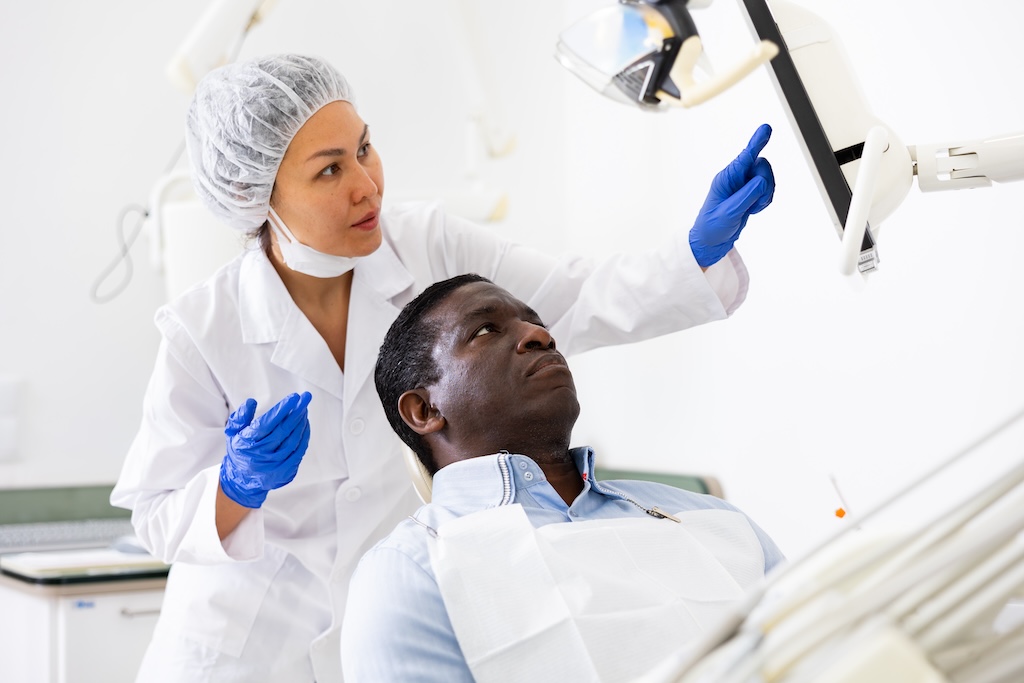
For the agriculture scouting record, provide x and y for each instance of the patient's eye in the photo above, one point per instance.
(486, 328)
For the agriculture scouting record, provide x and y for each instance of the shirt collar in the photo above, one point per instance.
(484, 482)
(584, 458)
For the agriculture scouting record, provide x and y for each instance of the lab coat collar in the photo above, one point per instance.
(269, 315)
(478, 483)
(263, 301)
(378, 278)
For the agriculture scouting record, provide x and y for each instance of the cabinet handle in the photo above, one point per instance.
(132, 613)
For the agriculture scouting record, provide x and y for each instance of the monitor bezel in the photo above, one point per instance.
(824, 163)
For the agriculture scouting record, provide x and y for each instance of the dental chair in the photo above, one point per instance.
(421, 479)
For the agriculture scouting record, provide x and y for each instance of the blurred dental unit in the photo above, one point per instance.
(942, 602)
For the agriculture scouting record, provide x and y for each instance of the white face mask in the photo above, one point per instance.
(303, 259)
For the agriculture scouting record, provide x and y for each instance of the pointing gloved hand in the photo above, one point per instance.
(264, 453)
(742, 188)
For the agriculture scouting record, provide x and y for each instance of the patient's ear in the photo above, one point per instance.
(416, 411)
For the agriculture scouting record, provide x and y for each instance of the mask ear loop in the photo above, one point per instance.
(278, 226)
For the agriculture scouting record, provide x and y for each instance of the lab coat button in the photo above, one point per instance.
(528, 476)
(522, 464)
(357, 426)
(353, 494)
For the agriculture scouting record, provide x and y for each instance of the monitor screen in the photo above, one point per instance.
(824, 160)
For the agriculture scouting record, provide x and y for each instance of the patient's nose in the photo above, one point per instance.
(533, 337)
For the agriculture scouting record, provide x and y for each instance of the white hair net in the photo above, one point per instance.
(240, 122)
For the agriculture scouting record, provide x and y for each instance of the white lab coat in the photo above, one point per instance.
(267, 604)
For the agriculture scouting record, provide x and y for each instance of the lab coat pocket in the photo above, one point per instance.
(216, 605)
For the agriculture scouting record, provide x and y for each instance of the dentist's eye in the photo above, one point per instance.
(333, 169)
(364, 150)
(485, 329)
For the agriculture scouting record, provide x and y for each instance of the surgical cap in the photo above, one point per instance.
(240, 122)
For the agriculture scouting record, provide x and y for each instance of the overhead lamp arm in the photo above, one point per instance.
(961, 165)
(215, 40)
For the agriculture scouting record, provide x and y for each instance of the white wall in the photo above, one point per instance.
(769, 401)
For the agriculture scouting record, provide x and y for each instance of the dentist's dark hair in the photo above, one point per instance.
(405, 360)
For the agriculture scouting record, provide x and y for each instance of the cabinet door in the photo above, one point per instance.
(27, 654)
(101, 638)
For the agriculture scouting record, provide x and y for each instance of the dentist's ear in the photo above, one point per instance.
(416, 411)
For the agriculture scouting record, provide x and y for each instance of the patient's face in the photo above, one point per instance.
(502, 381)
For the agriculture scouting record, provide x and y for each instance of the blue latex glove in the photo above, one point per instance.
(742, 188)
(264, 453)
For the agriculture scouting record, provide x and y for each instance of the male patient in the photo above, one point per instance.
(523, 567)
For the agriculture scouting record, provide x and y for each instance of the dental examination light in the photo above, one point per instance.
(645, 52)
(862, 169)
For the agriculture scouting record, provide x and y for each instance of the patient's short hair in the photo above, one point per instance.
(406, 361)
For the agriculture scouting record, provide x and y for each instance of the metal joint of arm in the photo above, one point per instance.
(962, 165)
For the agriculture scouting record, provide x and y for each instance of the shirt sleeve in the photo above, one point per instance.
(396, 627)
(172, 471)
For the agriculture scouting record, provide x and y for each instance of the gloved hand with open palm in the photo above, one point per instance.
(264, 454)
(741, 189)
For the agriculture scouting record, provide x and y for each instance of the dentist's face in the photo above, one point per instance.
(502, 382)
(329, 188)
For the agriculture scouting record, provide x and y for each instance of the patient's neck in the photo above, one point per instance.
(565, 478)
(559, 468)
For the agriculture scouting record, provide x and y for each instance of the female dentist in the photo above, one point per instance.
(264, 466)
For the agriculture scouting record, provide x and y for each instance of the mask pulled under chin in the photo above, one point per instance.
(303, 259)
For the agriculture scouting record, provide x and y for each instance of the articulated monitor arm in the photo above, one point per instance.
(978, 163)
(940, 166)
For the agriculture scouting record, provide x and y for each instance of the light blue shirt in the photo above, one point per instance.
(396, 627)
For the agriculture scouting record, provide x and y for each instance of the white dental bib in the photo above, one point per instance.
(598, 600)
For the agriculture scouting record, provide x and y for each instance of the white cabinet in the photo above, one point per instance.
(84, 633)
